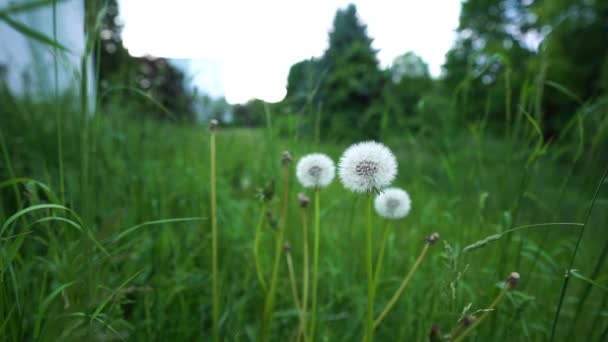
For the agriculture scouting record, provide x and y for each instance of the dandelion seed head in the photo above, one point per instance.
(393, 203)
(367, 166)
(513, 279)
(315, 170)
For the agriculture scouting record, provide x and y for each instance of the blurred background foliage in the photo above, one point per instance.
(545, 58)
(524, 77)
(122, 77)
(548, 59)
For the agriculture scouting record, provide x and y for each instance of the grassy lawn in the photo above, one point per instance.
(99, 279)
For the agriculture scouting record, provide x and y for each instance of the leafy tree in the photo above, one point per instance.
(490, 58)
(576, 51)
(346, 81)
(498, 44)
(302, 82)
(409, 65)
(250, 113)
(208, 107)
(346, 30)
(410, 81)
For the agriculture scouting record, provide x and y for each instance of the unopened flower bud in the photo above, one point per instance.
(286, 158)
(435, 334)
(213, 125)
(304, 200)
(468, 320)
(513, 279)
(287, 247)
(431, 239)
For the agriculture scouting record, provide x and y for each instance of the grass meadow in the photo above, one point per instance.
(106, 231)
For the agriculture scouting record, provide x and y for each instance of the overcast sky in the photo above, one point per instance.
(243, 49)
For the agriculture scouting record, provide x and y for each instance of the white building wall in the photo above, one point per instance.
(28, 65)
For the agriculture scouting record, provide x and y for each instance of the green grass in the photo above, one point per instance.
(97, 272)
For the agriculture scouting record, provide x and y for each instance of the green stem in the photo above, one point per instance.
(545, 237)
(11, 170)
(578, 243)
(472, 327)
(380, 258)
(214, 266)
(305, 274)
(57, 109)
(508, 101)
(522, 189)
(391, 304)
(586, 291)
(85, 148)
(597, 319)
(369, 330)
(315, 267)
(84, 108)
(256, 248)
(269, 305)
(292, 280)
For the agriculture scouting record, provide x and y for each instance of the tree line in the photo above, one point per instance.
(547, 60)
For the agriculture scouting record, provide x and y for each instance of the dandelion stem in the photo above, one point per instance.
(256, 248)
(315, 272)
(214, 266)
(473, 325)
(462, 325)
(457, 329)
(269, 305)
(391, 304)
(578, 243)
(369, 330)
(292, 278)
(305, 273)
(380, 258)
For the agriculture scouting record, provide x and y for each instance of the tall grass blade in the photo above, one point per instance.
(59, 219)
(48, 192)
(141, 93)
(27, 6)
(590, 281)
(132, 229)
(562, 89)
(33, 34)
(101, 306)
(45, 304)
(491, 238)
(27, 210)
(573, 258)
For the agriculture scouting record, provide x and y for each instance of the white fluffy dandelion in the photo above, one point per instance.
(367, 166)
(393, 203)
(315, 170)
